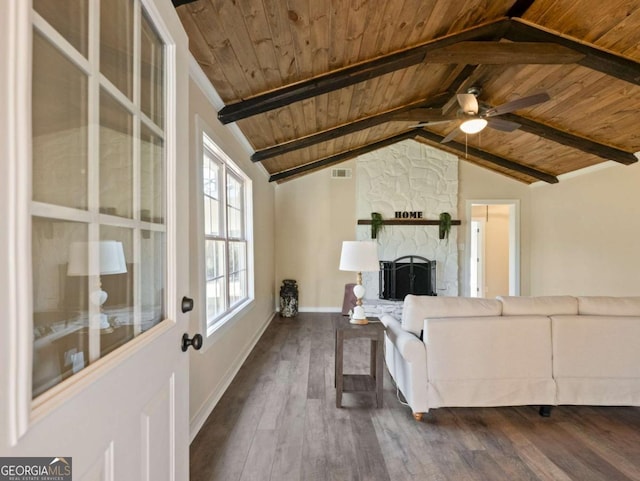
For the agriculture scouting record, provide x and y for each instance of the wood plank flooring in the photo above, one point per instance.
(278, 421)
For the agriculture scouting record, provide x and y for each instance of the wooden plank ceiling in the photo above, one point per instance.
(312, 83)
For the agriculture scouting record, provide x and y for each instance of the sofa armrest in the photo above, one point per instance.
(408, 344)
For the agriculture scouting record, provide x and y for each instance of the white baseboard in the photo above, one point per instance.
(207, 407)
(315, 309)
(320, 309)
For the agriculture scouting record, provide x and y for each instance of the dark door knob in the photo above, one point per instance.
(195, 342)
(187, 304)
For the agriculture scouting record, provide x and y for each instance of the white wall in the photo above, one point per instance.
(212, 369)
(585, 234)
(315, 213)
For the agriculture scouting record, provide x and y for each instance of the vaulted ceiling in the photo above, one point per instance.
(311, 83)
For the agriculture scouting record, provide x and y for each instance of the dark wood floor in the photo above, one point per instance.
(278, 421)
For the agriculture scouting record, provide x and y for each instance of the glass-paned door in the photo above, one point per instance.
(98, 181)
(93, 218)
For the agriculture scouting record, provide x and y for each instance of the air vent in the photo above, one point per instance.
(340, 173)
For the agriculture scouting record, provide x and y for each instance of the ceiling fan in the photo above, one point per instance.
(473, 117)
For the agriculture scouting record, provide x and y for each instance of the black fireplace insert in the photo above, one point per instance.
(407, 275)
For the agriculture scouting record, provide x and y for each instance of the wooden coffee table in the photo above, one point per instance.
(371, 382)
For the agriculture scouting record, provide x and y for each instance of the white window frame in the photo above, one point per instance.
(212, 331)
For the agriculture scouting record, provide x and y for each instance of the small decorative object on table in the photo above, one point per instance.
(289, 298)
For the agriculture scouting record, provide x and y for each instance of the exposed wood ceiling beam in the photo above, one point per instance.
(177, 3)
(488, 157)
(416, 112)
(466, 73)
(596, 59)
(433, 104)
(345, 77)
(519, 8)
(427, 135)
(342, 156)
(496, 53)
(516, 30)
(581, 143)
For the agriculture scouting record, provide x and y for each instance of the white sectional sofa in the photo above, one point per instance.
(509, 351)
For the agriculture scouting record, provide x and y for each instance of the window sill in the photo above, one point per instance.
(215, 333)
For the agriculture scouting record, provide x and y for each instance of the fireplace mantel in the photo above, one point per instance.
(407, 222)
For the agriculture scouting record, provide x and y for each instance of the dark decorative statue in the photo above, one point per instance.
(289, 298)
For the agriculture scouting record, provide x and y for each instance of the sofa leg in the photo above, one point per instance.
(545, 411)
(417, 416)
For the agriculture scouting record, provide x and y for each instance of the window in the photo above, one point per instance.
(226, 208)
(98, 182)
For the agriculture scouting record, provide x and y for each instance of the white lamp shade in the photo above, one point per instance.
(112, 260)
(359, 256)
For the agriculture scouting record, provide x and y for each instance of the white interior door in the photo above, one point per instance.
(93, 215)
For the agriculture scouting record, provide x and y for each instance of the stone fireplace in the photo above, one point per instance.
(409, 177)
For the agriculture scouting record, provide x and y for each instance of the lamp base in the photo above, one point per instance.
(360, 322)
(105, 326)
(358, 316)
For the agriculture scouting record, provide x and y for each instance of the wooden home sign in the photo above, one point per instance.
(414, 214)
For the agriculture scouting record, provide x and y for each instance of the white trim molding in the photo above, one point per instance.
(514, 243)
(320, 309)
(16, 331)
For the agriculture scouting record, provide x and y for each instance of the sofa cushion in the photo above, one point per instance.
(608, 306)
(417, 308)
(596, 347)
(538, 306)
(489, 347)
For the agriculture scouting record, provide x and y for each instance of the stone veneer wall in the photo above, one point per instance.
(410, 176)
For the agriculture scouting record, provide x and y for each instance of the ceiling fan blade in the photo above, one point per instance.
(517, 104)
(450, 136)
(468, 103)
(503, 125)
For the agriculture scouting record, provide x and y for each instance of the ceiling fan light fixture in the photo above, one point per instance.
(473, 126)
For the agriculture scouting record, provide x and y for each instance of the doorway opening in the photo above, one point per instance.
(493, 260)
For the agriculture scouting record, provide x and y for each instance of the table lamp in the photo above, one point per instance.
(112, 261)
(359, 256)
